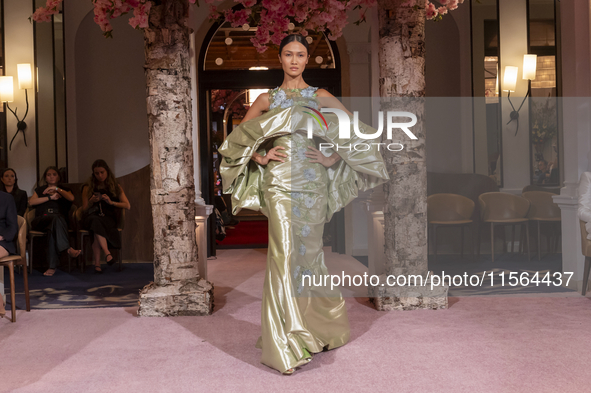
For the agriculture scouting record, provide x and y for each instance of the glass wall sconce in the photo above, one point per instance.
(510, 83)
(25, 81)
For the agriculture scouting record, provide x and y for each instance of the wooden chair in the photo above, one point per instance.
(586, 248)
(450, 210)
(543, 209)
(19, 260)
(83, 233)
(37, 234)
(500, 208)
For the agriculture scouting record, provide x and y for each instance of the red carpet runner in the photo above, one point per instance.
(247, 233)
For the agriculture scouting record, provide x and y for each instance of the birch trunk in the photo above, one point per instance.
(177, 288)
(402, 87)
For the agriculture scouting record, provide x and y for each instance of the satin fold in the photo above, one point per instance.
(298, 198)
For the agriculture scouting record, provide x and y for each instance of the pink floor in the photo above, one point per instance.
(480, 344)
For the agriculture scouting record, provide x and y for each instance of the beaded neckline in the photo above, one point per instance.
(296, 89)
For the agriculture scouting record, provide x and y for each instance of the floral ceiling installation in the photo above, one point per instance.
(274, 18)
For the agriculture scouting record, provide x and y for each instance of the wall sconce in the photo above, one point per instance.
(25, 81)
(510, 83)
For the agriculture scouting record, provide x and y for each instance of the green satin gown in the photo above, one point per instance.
(298, 198)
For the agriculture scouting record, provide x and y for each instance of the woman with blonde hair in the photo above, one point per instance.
(101, 197)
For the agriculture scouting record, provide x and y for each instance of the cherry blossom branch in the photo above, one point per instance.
(274, 18)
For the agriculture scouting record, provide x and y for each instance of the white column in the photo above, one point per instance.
(375, 235)
(513, 19)
(202, 211)
(19, 49)
(576, 141)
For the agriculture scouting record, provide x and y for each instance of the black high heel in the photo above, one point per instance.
(96, 271)
(110, 262)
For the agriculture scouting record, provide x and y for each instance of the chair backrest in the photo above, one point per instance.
(121, 219)
(585, 243)
(30, 216)
(21, 242)
(502, 206)
(449, 207)
(470, 185)
(542, 204)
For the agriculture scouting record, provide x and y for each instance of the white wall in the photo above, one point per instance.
(19, 49)
(516, 170)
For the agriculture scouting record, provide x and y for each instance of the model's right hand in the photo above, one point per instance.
(274, 155)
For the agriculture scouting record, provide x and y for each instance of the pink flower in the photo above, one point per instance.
(452, 5)
(431, 11)
(442, 10)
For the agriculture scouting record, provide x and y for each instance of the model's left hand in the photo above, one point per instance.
(316, 155)
(106, 198)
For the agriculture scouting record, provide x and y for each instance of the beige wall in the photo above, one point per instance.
(19, 49)
(111, 117)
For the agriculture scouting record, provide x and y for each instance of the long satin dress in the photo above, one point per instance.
(298, 198)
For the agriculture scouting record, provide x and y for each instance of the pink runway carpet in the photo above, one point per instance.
(480, 344)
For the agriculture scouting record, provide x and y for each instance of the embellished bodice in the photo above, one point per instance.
(284, 98)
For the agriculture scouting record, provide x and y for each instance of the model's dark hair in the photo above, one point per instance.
(291, 38)
(51, 168)
(15, 187)
(110, 182)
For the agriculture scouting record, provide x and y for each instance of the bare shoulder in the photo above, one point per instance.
(323, 93)
(262, 101)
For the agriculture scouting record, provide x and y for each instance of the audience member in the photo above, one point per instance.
(546, 174)
(101, 196)
(52, 204)
(8, 231)
(9, 184)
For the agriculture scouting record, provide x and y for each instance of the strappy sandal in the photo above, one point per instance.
(98, 270)
(111, 261)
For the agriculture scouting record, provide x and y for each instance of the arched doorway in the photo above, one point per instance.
(228, 66)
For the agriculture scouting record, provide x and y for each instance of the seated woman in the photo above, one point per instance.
(9, 184)
(52, 204)
(8, 231)
(101, 196)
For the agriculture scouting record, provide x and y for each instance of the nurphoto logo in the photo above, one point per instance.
(345, 128)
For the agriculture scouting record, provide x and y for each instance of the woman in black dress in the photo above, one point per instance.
(9, 184)
(101, 197)
(52, 205)
(8, 231)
